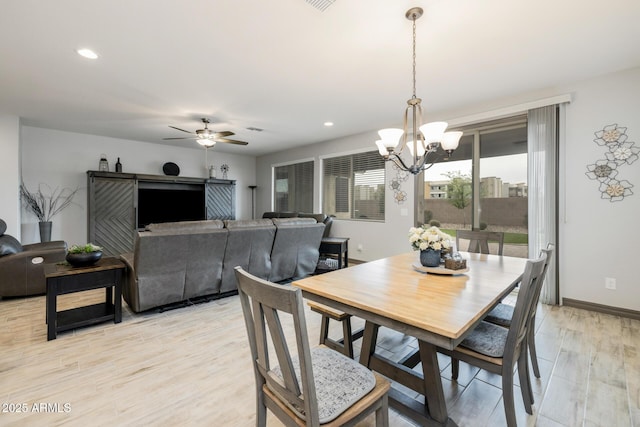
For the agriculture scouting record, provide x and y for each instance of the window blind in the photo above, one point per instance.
(293, 187)
(353, 186)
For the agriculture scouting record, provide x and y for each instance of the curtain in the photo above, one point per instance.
(542, 142)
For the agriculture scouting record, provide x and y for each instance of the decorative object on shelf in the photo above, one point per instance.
(83, 255)
(212, 171)
(171, 169)
(399, 196)
(422, 141)
(46, 206)
(621, 152)
(103, 165)
(224, 169)
(430, 241)
(118, 165)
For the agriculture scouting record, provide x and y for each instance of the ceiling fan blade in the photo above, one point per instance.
(168, 139)
(223, 134)
(180, 129)
(231, 141)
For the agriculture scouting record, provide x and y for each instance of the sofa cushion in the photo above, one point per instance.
(279, 222)
(3, 227)
(9, 245)
(186, 225)
(247, 223)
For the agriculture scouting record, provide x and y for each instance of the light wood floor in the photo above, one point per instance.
(191, 366)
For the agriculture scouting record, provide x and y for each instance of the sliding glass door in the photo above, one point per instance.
(484, 184)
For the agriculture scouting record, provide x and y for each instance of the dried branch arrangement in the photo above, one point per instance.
(46, 206)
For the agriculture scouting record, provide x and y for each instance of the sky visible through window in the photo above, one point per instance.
(511, 169)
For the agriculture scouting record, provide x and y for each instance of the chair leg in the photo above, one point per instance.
(348, 340)
(531, 343)
(525, 382)
(324, 329)
(455, 368)
(507, 398)
(382, 413)
(261, 411)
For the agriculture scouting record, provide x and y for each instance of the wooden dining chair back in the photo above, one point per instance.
(479, 240)
(300, 385)
(503, 313)
(499, 350)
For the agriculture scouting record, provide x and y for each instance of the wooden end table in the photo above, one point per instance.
(65, 279)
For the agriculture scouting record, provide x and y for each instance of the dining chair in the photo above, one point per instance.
(503, 313)
(310, 387)
(479, 240)
(499, 350)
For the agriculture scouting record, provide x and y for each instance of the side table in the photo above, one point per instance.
(65, 279)
(338, 246)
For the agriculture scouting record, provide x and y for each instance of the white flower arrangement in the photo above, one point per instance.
(425, 237)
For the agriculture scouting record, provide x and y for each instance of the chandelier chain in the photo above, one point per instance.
(414, 56)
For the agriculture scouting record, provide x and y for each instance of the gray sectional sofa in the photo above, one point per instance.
(174, 262)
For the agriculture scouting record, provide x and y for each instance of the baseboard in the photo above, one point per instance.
(600, 308)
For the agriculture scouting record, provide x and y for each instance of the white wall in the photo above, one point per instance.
(10, 167)
(61, 159)
(598, 238)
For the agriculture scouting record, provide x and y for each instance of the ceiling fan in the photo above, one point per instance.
(208, 137)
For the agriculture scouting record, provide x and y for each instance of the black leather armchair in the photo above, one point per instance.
(22, 267)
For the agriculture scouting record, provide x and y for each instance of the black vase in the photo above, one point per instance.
(45, 231)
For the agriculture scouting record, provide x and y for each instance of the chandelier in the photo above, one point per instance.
(422, 141)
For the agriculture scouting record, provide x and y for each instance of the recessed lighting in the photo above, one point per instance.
(328, 124)
(87, 53)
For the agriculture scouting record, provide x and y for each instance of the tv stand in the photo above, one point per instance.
(119, 204)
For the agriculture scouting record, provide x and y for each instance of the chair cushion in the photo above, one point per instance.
(9, 245)
(487, 339)
(340, 382)
(3, 227)
(501, 315)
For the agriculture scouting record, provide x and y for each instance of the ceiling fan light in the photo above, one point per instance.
(205, 142)
(450, 140)
(433, 131)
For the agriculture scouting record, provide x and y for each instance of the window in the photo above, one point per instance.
(293, 187)
(353, 186)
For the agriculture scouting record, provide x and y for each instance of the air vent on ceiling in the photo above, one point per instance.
(255, 129)
(321, 5)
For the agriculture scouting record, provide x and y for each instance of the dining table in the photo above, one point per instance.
(439, 308)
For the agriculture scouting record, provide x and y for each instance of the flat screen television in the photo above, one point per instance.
(169, 203)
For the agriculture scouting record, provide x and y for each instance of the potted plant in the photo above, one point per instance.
(83, 255)
(46, 206)
(430, 241)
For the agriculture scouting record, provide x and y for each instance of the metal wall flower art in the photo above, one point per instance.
(620, 152)
(399, 196)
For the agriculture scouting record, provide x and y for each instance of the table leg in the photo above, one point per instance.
(117, 301)
(52, 295)
(369, 338)
(346, 256)
(434, 395)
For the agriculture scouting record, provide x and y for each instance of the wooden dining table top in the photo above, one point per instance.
(392, 291)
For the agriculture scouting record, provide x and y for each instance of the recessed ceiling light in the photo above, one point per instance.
(87, 53)
(328, 124)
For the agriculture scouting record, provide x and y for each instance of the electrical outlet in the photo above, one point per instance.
(610, 283)
(360, 247)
